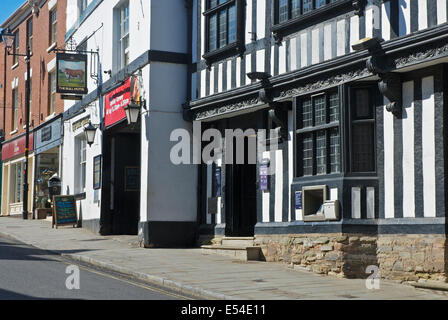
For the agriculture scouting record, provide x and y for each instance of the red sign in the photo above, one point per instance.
(17, 147)
(116, 100)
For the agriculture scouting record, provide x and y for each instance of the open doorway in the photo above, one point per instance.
(120, 211)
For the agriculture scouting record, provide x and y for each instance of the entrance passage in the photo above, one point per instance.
(241, 182)
(243, 214)
(120, 212)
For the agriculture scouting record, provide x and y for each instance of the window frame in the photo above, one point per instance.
(302, 21)
(230, 47)
(300, 132)
(15, 109)
(51, 93)
(82, 7)
(123, 52)
(53, 32)
(30, 33)
(16, 48)
(362, 120)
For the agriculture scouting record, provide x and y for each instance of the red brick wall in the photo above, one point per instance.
(39, 78)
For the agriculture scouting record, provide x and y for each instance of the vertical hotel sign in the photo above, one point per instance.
(71, 73)
(117, 99)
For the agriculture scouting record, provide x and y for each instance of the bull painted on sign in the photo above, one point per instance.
(73, 74)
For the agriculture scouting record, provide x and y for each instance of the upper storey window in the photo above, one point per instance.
(222, 26)
(293, 15)
(290, 9)
(221, 22)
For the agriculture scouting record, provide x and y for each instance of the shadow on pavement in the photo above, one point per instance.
(16, 251)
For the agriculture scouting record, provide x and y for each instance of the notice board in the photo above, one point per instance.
(64, 211)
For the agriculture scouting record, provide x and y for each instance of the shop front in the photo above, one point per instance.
(13, 174)
(47, 152)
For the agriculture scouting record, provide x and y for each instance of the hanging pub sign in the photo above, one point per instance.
(71, 73)
(120, 97)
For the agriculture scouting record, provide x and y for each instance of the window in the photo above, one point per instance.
(290, 9)
(80, 164)
(15, 110)
(318, 134)
(16, 183)
(124, 35)
(51, 93)
(16, 47)
(363, 130)
(221, 22)
(82, 6)
(53, 26)
(29, 34)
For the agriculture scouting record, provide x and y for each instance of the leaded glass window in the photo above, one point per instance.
(318, 134)
(221, 23)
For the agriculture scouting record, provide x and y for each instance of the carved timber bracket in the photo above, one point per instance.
(390, 86)
(390, 83)
(359, 6)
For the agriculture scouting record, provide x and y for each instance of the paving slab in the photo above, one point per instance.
(191, 271)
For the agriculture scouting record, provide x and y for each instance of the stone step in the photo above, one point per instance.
(237, 252)
(238, 241)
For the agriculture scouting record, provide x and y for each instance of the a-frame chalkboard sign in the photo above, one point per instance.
(64, 211)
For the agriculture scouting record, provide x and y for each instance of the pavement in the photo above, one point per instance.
(190, 272)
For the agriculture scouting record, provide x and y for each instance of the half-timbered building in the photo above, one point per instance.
(357, 91)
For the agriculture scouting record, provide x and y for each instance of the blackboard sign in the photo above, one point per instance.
(132, 179)
(64, 211)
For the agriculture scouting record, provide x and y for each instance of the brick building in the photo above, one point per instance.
(42, 26)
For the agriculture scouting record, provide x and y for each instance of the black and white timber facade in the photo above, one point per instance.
(365, 125)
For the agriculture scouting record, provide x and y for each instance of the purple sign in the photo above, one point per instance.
(264, 177)
(299, 200)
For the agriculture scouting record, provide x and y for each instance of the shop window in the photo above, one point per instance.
(318, 134)
(47, 164)
(16, 183)
(363, 130)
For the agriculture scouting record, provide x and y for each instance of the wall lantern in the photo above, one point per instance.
(90, 132)
(8, 38)
(133, 110)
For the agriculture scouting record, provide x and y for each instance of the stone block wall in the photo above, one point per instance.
(412, 257)
(399, 257)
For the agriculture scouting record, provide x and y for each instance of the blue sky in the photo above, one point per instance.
(7, 7)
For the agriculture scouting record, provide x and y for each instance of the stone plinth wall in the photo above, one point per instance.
(412, 257)
(399, 257)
